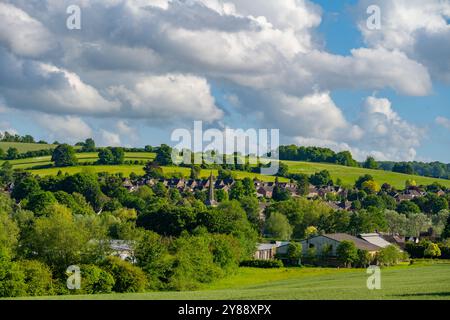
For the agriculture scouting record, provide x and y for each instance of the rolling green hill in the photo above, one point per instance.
(25, 147)
(348, 175)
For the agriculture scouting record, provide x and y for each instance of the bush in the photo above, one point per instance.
(389, 256)
(266, 264)
(95, 280)
(12, 279)
(128, 278)
(38, 278)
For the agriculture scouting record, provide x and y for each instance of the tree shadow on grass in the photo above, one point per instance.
(427, 294)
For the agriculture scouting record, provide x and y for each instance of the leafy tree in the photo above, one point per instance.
(25, 188)
(153, 171)
(38, 202)
(359, 182)
(389, 256)
(9, 231)
(12, 279)
(417, 223)
(396, 222)
(283, 170)
(373, 201)
(347, 253)
(37, 277)
(237, 191)
(118, 155)
(229, 218)
(105, 156)
(6, 173)
(249, 187)
(195, 263)
(364, 258)
(195, 172)
(164, 155)
(12, 153)
(280, 194)
(58, 240)
(370, 163)
(88, 146)
(128, 278)
(153, 258)
(277, 225)
(87, 185)
(225, 174)
(345, 158)
(321, 178)
(403, 167)
(221, 195)
(406, 207)
(64, 156)
(251, 208)
(434, 203)
(432, 251)
(294, 252)
(446, 232)
(370, 187)
(302, 184)
(95, 280)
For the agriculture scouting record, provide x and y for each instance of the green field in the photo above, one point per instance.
(421, 281)
(348, 175)
(126, 170)
(25, 147)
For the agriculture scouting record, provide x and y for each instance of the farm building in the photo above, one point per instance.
(332, 241)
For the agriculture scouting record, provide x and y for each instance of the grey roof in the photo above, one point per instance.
(359, 243)
(265, 246)
(376, 239)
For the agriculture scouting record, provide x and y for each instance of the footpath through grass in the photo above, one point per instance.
(421, 281)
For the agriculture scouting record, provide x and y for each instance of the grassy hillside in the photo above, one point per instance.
(126, 170)
(420, 281)
(25, 147)
(349, 174)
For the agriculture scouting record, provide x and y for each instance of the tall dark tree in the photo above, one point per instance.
(12, 153)
(164, 155)
(370, 163)
(64, 156)
(88, 145)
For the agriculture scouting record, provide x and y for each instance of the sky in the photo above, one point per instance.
(315, 70)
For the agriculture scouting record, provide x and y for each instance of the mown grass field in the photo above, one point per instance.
(25, 147)
(421, 281)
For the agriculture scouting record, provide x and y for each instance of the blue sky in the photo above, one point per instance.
(138, 70)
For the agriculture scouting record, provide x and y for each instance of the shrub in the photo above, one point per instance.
(193, 263)
(364, 258)
(12, 279)
(266, 264)
(432, 251)
(128, 278)
(389, 256)
(38, 278)
(95, 280)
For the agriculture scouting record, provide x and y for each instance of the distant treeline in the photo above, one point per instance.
(316, 154)
(8, 137)
(432, 169)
